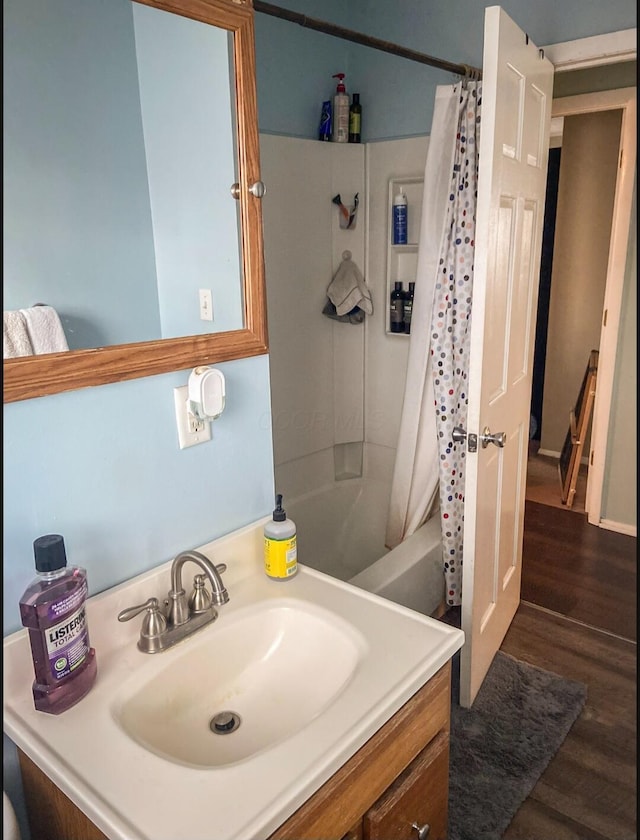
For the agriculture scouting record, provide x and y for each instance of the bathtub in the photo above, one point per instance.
(341, 529)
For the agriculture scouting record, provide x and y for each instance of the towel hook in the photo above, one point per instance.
(346, 255)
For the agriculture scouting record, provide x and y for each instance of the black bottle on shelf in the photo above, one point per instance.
(407, 307)
(396, 314)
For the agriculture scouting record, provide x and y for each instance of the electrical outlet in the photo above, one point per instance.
(191, 430)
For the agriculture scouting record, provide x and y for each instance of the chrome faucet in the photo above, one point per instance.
(183, 616)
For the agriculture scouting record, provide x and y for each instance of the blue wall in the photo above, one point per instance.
(102, 467)
(295, 64)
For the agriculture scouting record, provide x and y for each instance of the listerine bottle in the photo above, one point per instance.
(53, 608)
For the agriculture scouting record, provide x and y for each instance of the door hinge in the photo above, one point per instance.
(604, 318)
(591, 459)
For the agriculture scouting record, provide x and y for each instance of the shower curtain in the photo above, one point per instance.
(429, 465)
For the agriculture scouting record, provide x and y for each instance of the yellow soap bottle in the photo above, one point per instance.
(280, 545)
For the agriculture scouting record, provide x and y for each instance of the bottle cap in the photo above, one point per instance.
(341, 88)
(279, 515)
(356, 98)
(50, 553)
(398, 286)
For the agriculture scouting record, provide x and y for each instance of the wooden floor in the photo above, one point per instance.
(588, 791)
(579, 570)
(576, 575)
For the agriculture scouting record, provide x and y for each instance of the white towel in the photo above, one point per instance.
(45, 329)
(348, 289)
(15, 338)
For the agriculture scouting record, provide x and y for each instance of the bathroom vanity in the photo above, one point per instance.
(343, 700)
(398, 780)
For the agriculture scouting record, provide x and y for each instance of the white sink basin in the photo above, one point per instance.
(312, 666)
(274, 667)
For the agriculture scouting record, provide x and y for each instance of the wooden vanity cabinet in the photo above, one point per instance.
(399, 778)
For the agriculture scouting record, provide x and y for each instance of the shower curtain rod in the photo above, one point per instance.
(365, 40)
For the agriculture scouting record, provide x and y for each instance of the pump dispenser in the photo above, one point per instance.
(280, 545)
(340, 130)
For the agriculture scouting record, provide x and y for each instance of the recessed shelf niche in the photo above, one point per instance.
(402, 260)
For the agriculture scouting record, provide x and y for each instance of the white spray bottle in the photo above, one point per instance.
(340, 130)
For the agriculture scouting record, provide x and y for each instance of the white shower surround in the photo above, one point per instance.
(332, 383)
(341, 528)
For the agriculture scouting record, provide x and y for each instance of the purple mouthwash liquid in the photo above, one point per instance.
(54, 611)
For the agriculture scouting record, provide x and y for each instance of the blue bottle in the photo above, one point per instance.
(400, 218)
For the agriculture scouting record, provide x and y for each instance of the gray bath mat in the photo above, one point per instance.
(502, 745)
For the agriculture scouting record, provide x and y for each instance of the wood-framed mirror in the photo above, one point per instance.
(32, 376)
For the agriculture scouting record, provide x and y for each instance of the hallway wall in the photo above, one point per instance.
(586, 189)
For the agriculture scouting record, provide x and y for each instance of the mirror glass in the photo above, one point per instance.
(125, 127)
(119, 156)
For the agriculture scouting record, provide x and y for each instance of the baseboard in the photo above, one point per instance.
(619, 527)
(550, 453)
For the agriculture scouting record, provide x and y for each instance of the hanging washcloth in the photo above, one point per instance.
(15, 337)
(355, 316)
(348, 289)
(45, 329)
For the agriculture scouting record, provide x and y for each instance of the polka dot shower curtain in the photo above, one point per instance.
(429, 468)
(450, 327)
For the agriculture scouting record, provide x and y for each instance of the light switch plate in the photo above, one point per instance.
(206, 304)
(191, 430)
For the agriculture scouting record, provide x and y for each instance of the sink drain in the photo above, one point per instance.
(224, 723)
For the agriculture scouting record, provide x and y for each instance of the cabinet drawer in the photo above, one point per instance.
(419, 795)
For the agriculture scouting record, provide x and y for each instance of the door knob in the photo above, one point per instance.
(423, 831)
(498, 438)
(258, 189)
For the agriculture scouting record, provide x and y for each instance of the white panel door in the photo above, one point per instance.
(514, 140)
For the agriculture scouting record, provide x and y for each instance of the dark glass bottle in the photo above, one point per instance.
(407, 307)
(396, 314)
(355, 119)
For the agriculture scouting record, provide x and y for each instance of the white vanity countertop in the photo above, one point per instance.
(132, 794)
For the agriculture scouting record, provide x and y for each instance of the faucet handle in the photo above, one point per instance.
(153, 624)
(200, 599)
(132, 612)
